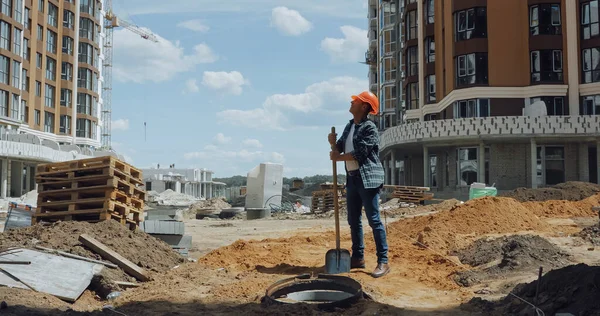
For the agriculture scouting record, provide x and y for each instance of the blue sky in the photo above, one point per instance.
(231, 84)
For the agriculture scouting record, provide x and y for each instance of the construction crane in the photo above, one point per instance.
(111, 21)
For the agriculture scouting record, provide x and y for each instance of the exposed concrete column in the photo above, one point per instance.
(481, 163)
(4, 178)
(393, 168)
(426, 168)
(16, 178)
(573, 67)
(533, 162)
(583, 163)
(210, 190)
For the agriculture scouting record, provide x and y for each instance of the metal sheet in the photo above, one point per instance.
(59, 276)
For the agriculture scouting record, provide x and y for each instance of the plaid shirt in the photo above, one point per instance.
(366, 152)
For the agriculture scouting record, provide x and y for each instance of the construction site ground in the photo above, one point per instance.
(447, 259)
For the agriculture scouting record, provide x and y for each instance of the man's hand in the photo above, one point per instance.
(332, 137)
(334, 155)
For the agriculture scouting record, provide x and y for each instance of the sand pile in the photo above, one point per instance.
(574, 289)
(214, 203)
(172, 198)
(552, 208)
(507, 255)
(570, 191)
(450, 229)
(393, 210)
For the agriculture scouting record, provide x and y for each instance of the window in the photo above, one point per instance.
(25, 79)
(68, 19)
(16, 74)
(84, 103)
(86, 28)
(590, 105)
(472, 108)
(429, 49)
(472, 69)
(52, 15)
(26, 49)
(470, 23)
(83, 128)
(389, 41)
(412, 61)
(41, 5)
(84, 79)
(467, 166)
(589, 20)
(4, 35)
(429, 11)
(544, 19)
(67, 45)
(14, 107)
(37, 117)
(40, 33)
(18, 13)
(66, 97)
(6, 7)
(67, 71)
(24, 111)
(3, 103)
(51, 42)
(4, 69)
(411, 25)
(389, 66)
(389, 13)
(48, 122)
(85, 53)
(38, 89)
(430, 92)
(17, 41)
(65, 124)
(433, 171)
(27, 21)
(550, 165)
(554, 105)
(546, 66)
(49, 96)
(591, 65)
(50, 69)
(389, 98)
(412, 96)
(87, 6)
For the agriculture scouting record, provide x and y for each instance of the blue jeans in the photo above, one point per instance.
(357, 197)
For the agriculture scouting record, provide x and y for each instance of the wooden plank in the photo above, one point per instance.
(114, 257)
(126, 285)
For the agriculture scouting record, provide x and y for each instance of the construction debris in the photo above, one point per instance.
(569, 191)
(92, 190)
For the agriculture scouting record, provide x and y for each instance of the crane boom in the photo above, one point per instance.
(110, 22)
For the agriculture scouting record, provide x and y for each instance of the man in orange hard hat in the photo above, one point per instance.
(360, 147)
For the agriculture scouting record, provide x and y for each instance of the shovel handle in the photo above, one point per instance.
(335, 198)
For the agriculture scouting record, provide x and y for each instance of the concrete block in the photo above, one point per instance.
(176, 241)
(163, 227)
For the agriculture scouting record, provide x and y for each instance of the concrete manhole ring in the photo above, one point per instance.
(325, 291)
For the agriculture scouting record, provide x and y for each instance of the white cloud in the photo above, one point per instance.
(194, 25)
(140, 60)
(318, 98)
(120, 125)
(191, 86)
(350, 48)
(228, 82)
(221, 139)
(289, 22)
(238, 156)
(255, 143)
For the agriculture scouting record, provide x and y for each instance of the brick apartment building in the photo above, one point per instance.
(458, 80)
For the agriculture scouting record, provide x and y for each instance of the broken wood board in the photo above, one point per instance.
(113, 257)
(55, 275)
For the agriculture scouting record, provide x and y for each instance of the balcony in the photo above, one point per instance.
(499, 127)
(371, 57)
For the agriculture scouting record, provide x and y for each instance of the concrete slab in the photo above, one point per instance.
(163, 227)
(62, 277)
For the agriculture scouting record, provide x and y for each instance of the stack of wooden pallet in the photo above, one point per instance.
(91, 190)
(322, 200)
(411, 194)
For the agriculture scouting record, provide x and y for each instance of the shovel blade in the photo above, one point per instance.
(337, 261)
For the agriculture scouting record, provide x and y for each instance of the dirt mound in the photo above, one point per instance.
(448, 230)
(574, 289)
(507, 255)
(393, 210)
(140, 248)
(214, 203)
(559, 209)
(591, 234)
(569, 191)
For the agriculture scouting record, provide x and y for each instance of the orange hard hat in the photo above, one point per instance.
(369, 97)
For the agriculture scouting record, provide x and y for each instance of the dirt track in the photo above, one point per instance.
(229, 278)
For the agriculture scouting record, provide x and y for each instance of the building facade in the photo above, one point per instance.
(194, 182)
(50, 84)
(514, 104)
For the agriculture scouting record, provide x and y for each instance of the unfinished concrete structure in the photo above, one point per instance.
(194, 182)
(468, 78)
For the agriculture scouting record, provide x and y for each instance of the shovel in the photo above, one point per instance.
(336, 260)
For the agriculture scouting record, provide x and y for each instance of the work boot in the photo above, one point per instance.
(356, 263)
(381, 270)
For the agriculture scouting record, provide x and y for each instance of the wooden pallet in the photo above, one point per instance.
(323, 201)
(410, 194)
(98, 181)
(91, 163)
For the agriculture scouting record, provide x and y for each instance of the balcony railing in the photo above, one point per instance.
(491, 127)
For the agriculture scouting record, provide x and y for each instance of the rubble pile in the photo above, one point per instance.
(569, 191)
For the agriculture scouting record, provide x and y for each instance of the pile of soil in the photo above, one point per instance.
(591, 234)
(507, 255)
(140, 248)
(452, 229)
(393, 210)
(574, 289)
(558, 209)
(214, 203)
(569, 191)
